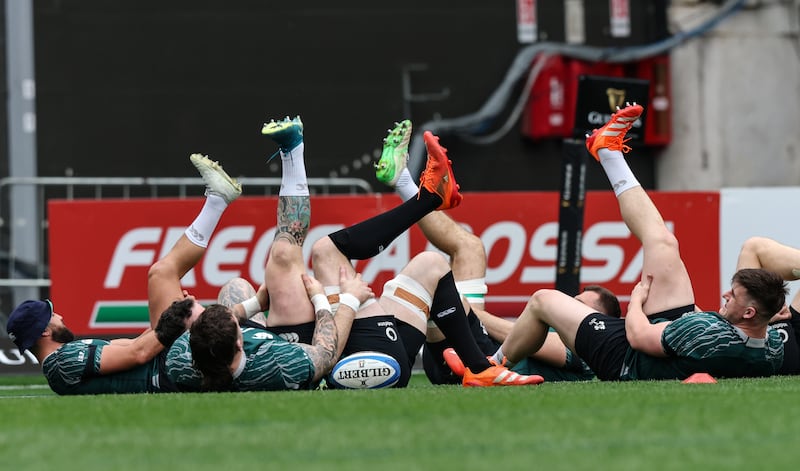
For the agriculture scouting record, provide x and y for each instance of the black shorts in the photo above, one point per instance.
(301, 333)
(385, 334)
(791, 348)
(602, 344)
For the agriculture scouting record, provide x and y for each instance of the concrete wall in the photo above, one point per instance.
(736, 97)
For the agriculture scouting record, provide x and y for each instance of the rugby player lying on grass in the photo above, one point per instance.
(94, 366)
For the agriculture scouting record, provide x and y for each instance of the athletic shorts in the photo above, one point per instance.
(602, 344)
(388, 335)
(791, 349)
(301, 333)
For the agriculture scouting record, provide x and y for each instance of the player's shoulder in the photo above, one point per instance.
(81, 345)
(259, 335)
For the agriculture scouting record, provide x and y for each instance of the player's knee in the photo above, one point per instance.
(433, 262)
(541, 298)
(473, 245)
(159, 270)
(283, 252)
(323, 248)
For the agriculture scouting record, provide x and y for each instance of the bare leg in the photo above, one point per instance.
(544, 309)
(164, 276)
(671, 287)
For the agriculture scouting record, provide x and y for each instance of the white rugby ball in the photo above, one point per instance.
(365, 370)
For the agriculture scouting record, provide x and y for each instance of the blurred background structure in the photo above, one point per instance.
(129, 88)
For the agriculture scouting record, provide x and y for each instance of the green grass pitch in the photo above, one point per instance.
(734, 424)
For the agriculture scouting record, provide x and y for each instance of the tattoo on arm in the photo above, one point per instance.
(235, 293)
(294, 217)
(324, 344)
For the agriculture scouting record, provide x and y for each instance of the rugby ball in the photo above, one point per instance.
(365, 370)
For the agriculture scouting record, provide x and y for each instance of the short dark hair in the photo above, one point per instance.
(212, 339)
(608, 300)
(766, 289)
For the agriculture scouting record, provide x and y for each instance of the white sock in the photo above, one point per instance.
(498, 357)
(617, 170)
(405, 186)
(199, 231)
(293, 177)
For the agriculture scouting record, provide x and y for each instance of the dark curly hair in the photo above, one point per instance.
(212, 339)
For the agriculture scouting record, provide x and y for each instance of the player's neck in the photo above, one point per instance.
(44, 347)
(237, 365)
(753, 331)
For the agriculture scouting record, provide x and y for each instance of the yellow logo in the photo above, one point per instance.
(616, 97)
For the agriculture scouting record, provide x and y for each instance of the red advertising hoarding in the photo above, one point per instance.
(100, 251)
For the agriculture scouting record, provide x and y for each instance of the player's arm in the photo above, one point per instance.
(324, 342)
(497, 327)
(353, 292)
(331, 335)
(250, 306)
(642, 335)
(122, 356)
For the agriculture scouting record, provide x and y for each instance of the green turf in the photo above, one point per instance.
(734, 424)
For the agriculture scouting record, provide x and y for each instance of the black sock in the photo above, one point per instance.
(368, 238)
(448, 314)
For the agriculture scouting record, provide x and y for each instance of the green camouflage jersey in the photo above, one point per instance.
(272, 364)
(704, 342)
(75, 369)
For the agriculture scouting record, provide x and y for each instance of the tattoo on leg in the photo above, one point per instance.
(294, 217)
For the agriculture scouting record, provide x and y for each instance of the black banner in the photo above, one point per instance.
(570, 217)
(598, 99)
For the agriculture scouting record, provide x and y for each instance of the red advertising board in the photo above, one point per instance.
(100, 251)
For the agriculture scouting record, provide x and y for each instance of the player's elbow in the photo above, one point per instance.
(645, 340)
(142, 356)
(634, 339)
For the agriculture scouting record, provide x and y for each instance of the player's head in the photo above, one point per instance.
(215, 338)
(187, 308)
(601, 299)
(31, 319)
(754, 289)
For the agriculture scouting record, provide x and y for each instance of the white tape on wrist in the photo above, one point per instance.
(350, 301)
(251, 306)
(320, 302)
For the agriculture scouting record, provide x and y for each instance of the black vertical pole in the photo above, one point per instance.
(570, 217)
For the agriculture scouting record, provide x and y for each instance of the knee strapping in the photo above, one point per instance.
(474, 290)
(407, 292)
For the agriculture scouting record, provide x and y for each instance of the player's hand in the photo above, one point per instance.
(313, 286)
(263, 297)
(782, 315)
(641, 291)
(354, 285)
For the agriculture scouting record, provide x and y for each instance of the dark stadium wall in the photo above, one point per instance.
(131, 88)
